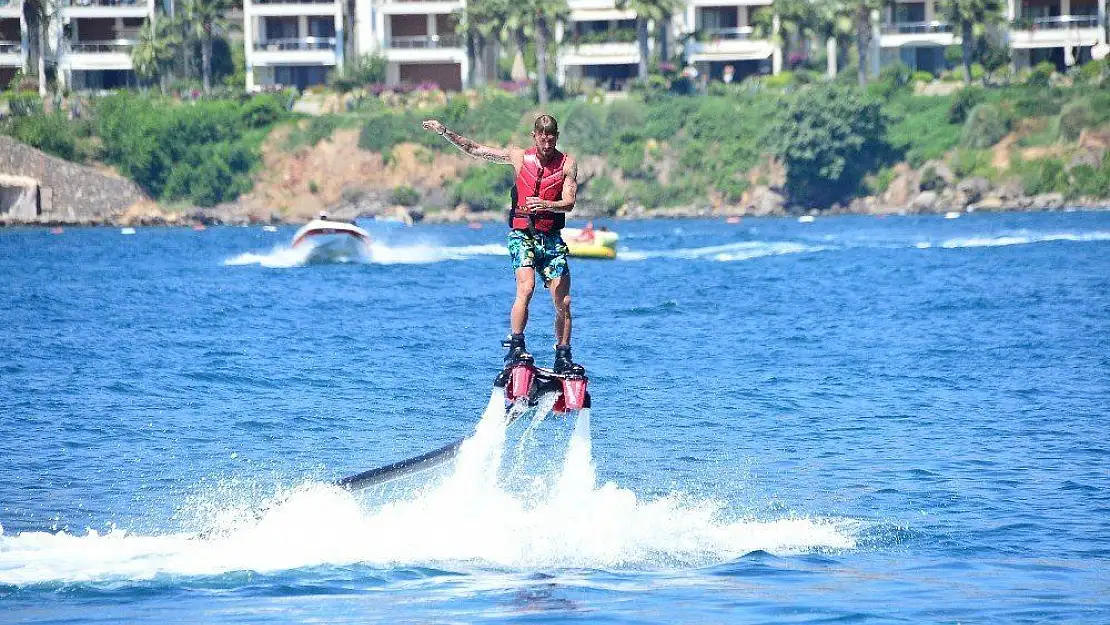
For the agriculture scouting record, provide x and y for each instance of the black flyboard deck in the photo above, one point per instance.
(547, 381)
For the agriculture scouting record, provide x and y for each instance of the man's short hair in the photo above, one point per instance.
(547, 125)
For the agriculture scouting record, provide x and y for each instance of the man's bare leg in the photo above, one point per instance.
(525, 285)
(560, 296)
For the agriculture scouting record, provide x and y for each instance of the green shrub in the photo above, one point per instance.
(263, 110)
(1090, 182)
(1074, 117)
(366, 70)
(922, 76)
(931, 180)
(892, 79)
(23, 104)
(603, 192)
(965, 100)
(318, 128)
(51, 133)
(1045, 175)
(1041, 76)
(967, 163)
(919, 129)
(484, 187)
(880, 182)
(202, 152)
(405, 196)
(985, 127)
(829, 137)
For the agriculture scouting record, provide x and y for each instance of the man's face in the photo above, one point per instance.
(545, 142)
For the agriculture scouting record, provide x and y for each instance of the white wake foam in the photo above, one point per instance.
(1023, 239)
(731, 252)
(468, 517)
(377, 253)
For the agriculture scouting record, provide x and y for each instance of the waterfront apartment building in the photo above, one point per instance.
(597, 45)
(292, 42)
(14, 49)
(418, 40)
(914, 33)
(1062, 32)
(92, 42)
(299, 42)
(721, 35)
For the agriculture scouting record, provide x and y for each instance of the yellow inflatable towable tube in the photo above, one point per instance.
(590, 243)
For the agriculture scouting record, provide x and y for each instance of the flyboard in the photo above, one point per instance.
(524, 384)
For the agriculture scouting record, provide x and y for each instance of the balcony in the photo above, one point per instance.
(11, 8)
(98, 55)
(295, 44)
(420, 7)
(11, 53)
(296, 51)
(915, 28)
(899, 34)
(729, 44)
(424, 42)
(1054, 32)
(105, 8)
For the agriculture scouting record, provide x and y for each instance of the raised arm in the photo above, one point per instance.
(503, 156)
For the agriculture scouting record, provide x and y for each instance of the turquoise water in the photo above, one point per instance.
(856, 419)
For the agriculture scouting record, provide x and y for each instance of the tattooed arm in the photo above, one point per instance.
(503, 156)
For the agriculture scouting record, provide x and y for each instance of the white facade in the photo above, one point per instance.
(417, 38)
(914, 33)
(14, 40)
(723, 36)
(598, 44)
(93, 42)
(1059, 31)
(292, 42)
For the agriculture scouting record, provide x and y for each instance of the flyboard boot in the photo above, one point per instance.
(521, 379)
(518, 353)
(564, 365)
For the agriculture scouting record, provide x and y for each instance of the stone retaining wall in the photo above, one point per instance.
(67, 192)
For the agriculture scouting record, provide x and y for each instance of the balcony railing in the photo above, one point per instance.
(1055, 23)
(106, 3)
(915, 28)
(426, 41)
(102, 47)
(10, 47)
(293, 45)
(720, 34)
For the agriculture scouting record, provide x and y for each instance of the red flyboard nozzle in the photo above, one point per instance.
(520, 382)
(574, 393)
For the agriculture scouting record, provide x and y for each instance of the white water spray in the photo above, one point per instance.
(469, 518)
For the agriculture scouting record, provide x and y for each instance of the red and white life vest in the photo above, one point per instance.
(544, 182)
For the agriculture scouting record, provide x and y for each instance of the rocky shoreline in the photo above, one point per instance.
(288, 193)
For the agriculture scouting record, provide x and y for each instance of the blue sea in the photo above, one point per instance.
(865, 420)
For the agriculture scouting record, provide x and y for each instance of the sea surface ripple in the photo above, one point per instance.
(854, 419)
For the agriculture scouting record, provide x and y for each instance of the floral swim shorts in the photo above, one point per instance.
(544, 251)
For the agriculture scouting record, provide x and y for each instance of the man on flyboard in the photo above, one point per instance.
(545, 190)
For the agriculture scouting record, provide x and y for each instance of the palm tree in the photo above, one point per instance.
(861, 11)
(39, 14)
(153, 55)
(966, 16)
(200, 18)
(536, 16)
(647, 10)
(481, 23)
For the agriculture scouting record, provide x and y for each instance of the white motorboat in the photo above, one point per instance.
(332, 240)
